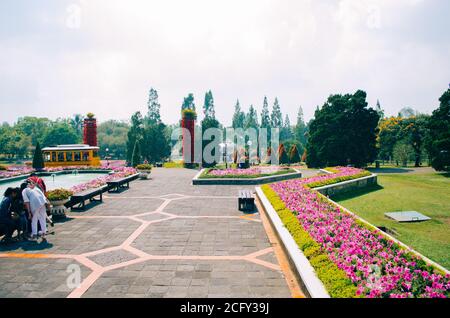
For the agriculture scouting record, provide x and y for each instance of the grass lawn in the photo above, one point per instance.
(427, 193)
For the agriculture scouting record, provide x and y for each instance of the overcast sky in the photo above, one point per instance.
(60, 57)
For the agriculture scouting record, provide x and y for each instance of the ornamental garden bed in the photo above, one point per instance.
(350, 257)
(250, 176)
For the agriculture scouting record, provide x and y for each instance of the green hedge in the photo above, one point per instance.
(338, 179)
(334, 279)
(205, 174)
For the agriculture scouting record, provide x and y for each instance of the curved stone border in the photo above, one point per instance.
(346, 186)
(245, 181)
(305, 271)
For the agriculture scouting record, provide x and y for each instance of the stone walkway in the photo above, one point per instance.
(161, 238)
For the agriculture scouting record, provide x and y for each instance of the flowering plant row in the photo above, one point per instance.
(18, 170)
(254, 172)
(364, 263)
(118, 173)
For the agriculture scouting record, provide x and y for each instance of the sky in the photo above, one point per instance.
(61, 57)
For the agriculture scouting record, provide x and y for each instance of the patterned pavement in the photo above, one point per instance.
(163, 237)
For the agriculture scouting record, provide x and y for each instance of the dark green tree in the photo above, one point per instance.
(38, 159)
(136, 156)
(112, 135)
(155, 144)
(136, 132)
(343, 132)
(300, 127)
(153, 115)
(286, 130)
(276, 117)
(265, 115)
(438, 140)
(60, 133)
(251, 119)
(238, 116)
(208, 106)
(209, 121)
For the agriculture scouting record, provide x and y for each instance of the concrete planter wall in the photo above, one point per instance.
(244, 181)
(305, 273)
(347, 186)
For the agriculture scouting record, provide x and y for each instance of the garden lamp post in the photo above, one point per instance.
(107, 157)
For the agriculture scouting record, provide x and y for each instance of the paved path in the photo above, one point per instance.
(161, 238)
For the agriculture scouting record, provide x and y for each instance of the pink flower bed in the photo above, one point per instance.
(377, 266)
(14, 171)
(101, 181)
(18, 170)
(245, 172)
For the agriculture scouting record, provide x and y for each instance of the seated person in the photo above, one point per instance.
(19, 214)
(6, 220)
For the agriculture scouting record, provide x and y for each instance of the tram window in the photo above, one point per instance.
(69, 156)
(60, 156)
(46, 156)
(53, 156)
(77, 156)
(85, 156)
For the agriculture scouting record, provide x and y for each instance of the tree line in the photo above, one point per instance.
(344, 130)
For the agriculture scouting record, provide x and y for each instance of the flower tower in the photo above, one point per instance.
(90, 130)
(188, 117)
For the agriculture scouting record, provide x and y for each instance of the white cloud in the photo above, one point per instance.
(298, 50)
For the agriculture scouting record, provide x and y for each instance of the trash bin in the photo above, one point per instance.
(377, 164)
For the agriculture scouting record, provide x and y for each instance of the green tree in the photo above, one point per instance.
(208, 106)
(34, 127)
(438, 140)
(238, 116)
(343, 132)
(300, 127)
(251, 119)
(403, 152)
(153, 115)
(286, 130)
(265, 115)
(135, 133)
(136, 156)
(60, 133)
(276, 117)
(208, 122)
(155, 143)
(112, 135)
(38, 159)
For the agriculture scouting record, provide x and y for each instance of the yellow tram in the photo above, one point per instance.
(71, 155)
